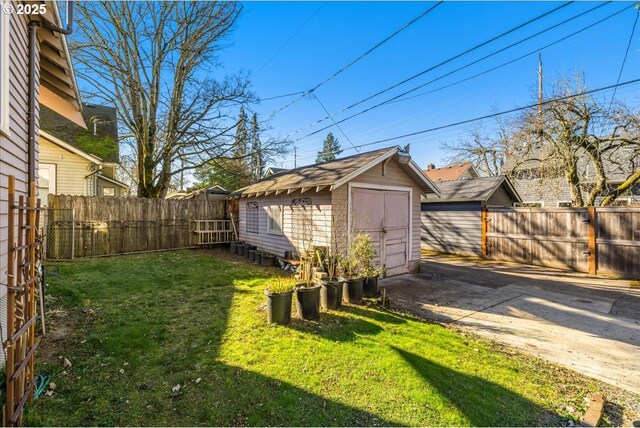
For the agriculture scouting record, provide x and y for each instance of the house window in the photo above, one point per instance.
(4, 70)
(274, 225)
(252, 217)
(108, 191)
(564, 204)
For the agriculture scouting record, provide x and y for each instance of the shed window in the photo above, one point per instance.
(274, 225)
(528, 204)
(109, 191)
(252, 217)
(564, 203)
(4, 70)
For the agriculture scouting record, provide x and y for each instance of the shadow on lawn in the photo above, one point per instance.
(483, 403)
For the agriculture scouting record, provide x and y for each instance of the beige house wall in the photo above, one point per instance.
(71, 169)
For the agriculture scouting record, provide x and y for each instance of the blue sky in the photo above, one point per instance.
(337, 32)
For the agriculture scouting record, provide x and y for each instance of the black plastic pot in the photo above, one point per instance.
(308, 302)
(267, 260)
(246, 250)
(370, 286)
(240, 249)
(258, 258)
(252, 256)
(331, 294)
(279, 307)
(232, 247)
(352, 291)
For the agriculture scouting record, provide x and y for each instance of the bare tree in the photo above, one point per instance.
(155, 61)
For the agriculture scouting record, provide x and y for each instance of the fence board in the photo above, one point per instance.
(605, 239)
(97, 226)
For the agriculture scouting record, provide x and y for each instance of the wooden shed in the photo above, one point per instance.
(451, 222)
(376, 192)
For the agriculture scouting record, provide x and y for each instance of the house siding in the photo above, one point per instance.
(289, 240)
(71, 169)
(393, 176)
(452, 227)
(13, 148)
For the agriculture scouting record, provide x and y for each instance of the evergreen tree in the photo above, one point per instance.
(240, 145)
(331, 149)
(257, 157)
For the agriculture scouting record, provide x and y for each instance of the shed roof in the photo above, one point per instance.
(449, 173)
(476, 190)
(334, 174)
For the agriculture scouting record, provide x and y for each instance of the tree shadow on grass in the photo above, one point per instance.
(482, 402)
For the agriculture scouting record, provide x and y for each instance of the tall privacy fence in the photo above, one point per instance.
(593, 239)
(89, 226)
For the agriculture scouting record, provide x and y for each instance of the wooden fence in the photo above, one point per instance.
(87, 226)
(593, 240)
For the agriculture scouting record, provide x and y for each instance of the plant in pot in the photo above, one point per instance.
(330, 285)
(307, 292)
(279, 291)
(365, 252)
(351, 276)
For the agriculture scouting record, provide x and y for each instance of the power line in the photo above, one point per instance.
(385, 40)
(337, 126)
(502, 113)
(282, 96)
(626, 53)
(289, 40)
(535, 51)
(415, 76)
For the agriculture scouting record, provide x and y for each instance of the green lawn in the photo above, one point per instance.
(134, 327)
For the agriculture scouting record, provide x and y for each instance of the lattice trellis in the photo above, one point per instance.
(23, 277)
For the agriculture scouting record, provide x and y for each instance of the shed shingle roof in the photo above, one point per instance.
(479, 189)
(322, 174)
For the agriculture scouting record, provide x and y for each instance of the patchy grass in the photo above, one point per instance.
(136, 327)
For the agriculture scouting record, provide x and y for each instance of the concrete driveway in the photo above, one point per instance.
(590, 325)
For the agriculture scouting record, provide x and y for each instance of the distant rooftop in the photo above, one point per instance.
(449, 173)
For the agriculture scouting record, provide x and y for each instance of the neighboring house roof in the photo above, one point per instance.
(101, 137)
(451, 172)
(212, 190)
(335, 173)
(112, 180)
(273, 170)
(476, 190)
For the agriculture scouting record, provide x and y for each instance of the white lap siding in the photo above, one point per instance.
(292, 227)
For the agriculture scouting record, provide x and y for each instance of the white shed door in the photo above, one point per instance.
(384, 214)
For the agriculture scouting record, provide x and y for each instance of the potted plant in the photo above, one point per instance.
(364, 252)
(279, 292)
(351, 277)
(307, 293)
(330, 284)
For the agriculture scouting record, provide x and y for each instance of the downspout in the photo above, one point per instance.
(31, 113)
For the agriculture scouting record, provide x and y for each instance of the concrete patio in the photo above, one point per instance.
(590, 325)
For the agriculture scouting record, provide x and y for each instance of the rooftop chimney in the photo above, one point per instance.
(430, 167)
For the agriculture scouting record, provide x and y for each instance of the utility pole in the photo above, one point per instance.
(295, 157)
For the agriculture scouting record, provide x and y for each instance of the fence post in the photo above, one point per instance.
(73, 232)
(483, 219)
(591, 236)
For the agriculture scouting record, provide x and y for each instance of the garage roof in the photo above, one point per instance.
(334, 174)
(476, 190)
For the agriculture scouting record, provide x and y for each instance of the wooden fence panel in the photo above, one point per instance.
(103, 225)
(594, 240)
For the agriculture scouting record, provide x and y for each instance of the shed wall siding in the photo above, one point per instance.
(452, 228)
(13, 148)
(71, 169)
(291, 230)
(500, 198)
(393, 176)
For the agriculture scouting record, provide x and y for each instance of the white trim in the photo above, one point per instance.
(53, 176)
(5, 49)
(364, 168)
(351, 185)
(68, 147)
